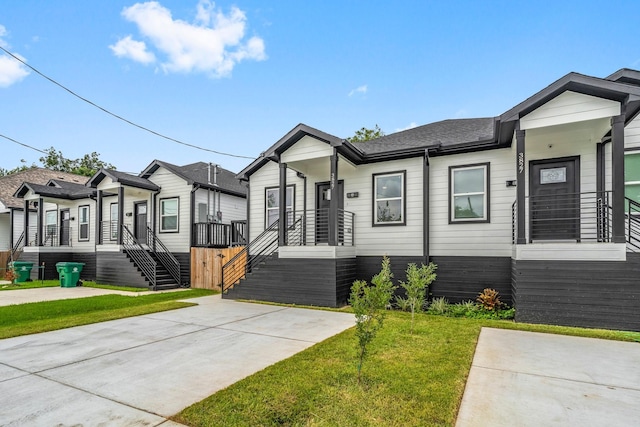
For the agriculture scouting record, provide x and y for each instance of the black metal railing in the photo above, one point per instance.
(141, 258)
(514, 222)
(312, 228)
(632, 226)
(52, 235)
(238, 233)
(251, 255)
(211, 235)
(16, 249)
(164, 256)
(109, 232)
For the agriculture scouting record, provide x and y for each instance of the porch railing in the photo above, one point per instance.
(632, 226)
(139, 255)
(163, 255)
(211, 235)
(312, 228)
(109, 232)
(16, 249)
(51, 236)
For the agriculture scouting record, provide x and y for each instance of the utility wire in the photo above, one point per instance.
(118, 116)
(24, 145)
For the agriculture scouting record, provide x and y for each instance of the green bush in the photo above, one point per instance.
(418, 280)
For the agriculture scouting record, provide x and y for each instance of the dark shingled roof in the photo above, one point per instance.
(9, 184)
(67, 190)
(123, 178)
(445, 133)
(198, 173)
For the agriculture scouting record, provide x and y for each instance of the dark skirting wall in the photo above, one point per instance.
(592, 294)
(458, 278)
(51, 259)
(319, 282)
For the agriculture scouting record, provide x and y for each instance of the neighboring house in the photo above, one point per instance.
(12, 208)
(540, 203)
(135, 230)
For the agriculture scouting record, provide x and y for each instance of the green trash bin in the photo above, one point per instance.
(69, 273)
(22, 270)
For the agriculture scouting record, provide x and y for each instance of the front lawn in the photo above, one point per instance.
(56, 283)
(409, 380)
(31, 318)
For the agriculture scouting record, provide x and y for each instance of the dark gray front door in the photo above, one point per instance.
(322, 210)
(65, 216)
(140, 221)
(554, 199)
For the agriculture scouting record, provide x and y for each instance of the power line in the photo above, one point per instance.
(24, 145)
(118, 116)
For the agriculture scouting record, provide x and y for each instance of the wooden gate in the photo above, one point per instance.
(206, 266)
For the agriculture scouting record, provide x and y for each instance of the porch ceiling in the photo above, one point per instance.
(320, 166)
(589, 130)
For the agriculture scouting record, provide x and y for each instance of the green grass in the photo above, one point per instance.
(46, 316)
(409, 380)
(56, 283)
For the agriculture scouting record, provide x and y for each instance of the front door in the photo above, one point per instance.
(65, 216)
(140, 221)
(323, 199)
(554, 199)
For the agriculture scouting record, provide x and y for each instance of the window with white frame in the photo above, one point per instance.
(83, 223)
(632, 176)
(113, 223)
(389, 198)
(169, 215)
(51, 225)
(272, 205)
(469, 193)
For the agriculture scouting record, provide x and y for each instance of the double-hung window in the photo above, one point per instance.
(389, 198)
(51, 226)
(469, 193)
(83, 223)
(272, 205)
(169, 215)
(113, 223)
(632, 176)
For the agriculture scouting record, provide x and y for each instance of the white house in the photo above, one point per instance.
(540, 203)
(135, 230)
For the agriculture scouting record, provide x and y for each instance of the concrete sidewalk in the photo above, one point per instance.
(141, 370)
(531, 379)
(23, 296)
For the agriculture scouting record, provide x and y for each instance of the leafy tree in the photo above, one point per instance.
(369, 304)
(365, 134)
(88, 165)
(418, 280)
(22, 167)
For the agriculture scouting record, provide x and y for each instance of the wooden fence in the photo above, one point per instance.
(4, 260)
(206, 266)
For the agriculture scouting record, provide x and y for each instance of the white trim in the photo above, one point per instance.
(570, 252)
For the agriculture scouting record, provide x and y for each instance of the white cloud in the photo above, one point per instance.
(132, 49)
(460, 114)
(360, 89)
(409, 126)
(11, 70)
(213, 44)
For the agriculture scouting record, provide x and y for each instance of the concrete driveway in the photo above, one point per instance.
(139, 371)
(530, 379)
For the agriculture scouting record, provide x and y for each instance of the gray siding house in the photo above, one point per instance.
(135, 230)
(541, 203)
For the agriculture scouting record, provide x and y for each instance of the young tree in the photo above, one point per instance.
(418, 281)
(365, 134)
(369, 304)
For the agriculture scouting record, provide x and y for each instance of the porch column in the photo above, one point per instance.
(282, 206)
(99, 217)
(617, 181)
(520, 188)
(333, 202)
(25, 223)
(39, 221)
(120, 213)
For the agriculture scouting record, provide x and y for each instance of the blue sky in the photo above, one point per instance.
(237, 76)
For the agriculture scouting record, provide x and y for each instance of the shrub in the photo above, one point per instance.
(489, 299)
(369, 304)
(10, 275)
(438, 306)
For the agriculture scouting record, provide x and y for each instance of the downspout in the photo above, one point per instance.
(208, 192)
(304, 207)
(425, 206)
(192, 202)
